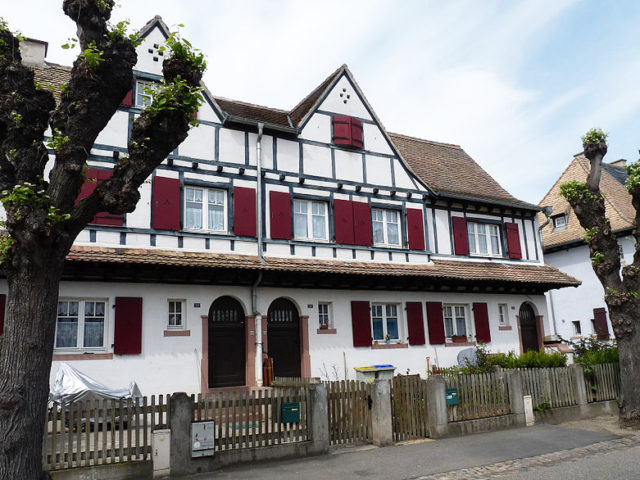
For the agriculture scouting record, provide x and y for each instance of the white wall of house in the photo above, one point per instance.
(577, 304)
(169, 364)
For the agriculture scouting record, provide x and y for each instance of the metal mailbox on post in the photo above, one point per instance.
(451, 395)
(290, 412)
(202, 439)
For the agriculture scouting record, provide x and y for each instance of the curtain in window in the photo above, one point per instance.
(194, 208)
(216, 210)
(318, 215)
(67, 327)
(300, 219)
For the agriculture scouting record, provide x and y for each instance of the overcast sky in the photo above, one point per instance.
(515, 83)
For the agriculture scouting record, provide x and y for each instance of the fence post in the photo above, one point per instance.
(577, 374)
(381, 421)
(437, 406)
(516, 397)
(319, 419)
(181, 416)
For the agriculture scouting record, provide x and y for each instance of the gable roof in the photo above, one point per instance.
(618, 207)
(452, 172)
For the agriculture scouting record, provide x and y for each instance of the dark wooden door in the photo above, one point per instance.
(528, 328)
(283, 333)
(227, 356)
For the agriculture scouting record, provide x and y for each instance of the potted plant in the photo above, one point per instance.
(387, 338)
(459, 338)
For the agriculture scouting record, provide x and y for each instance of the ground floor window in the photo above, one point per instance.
(384, 319)
(503, 314)
(455, 320)
(577, 329)
(324, 315)
(80, 324)
(176, 314)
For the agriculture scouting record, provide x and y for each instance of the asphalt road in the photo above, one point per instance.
(409, 461)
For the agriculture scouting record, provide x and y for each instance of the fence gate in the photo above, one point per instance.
(409, 408)
(349, 411)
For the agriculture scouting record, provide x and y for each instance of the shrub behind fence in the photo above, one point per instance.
(602, 382)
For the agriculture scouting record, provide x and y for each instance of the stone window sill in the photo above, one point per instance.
(327, 331)
(177, 333)
(460, 344)
(384, 346)
(505, 327)
(65, 357)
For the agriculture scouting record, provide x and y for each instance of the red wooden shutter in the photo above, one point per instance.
(415, 323)
(244, 211)
(481, 318)
(127, 336)
(600, 322)
(356, 133)
(280, 215)
(415, 229)
(166, 203)
(513, 240)
(127, 101)
(95, 177)
(343, 221)
(435, 323)
(342, 130)
(361, 324)
(460, 239)
(3, 302)
(361, 223)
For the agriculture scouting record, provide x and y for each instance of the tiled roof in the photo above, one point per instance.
(299, 112)
(250, 111)
(618, 207)
(55, 75)
(448, 169)
(466, 271)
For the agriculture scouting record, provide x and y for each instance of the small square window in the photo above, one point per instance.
(577, 329)
(325, 318)
(176, 320)
(503, 314)
(559, 222)
(386, 227)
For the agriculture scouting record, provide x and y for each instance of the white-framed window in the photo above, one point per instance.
(325, 317)
(80, 324)
(455, 320)
(559, 222)
(577, 328)
(205, 209)
(176, 320)
(503, 314)
(386, 226)
(310, 220)
(484, 239)
(385, 322)
(144, 95)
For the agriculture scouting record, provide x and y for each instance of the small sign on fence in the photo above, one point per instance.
(451, 395)
(202, 439)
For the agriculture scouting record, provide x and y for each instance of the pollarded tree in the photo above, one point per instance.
(621, 286)
(43, 217)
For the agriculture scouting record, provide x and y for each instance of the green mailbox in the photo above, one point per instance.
(290, 412)
(451, 394)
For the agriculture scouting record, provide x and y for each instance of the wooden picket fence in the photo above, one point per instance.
(349, 410)
(100, 432)
(549, 387)
(602, 382)
(480, 395)
(253, 419)
(294, 381)
(409, 408)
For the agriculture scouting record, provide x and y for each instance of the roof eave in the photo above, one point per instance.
(502, 203)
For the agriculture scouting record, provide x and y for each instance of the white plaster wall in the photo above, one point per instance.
(116, 131)
(378, 170)
(402, 177)
(442, 226)
(200, 143)
(231, 146)
(318, 128)
(169, 364)
(374, 140)
(145, 59)
(348, 166)
(335, 103)
(316, 161)
(570, 304)
(288, 156)
(207, 113)
(267, 150)
(141, 216)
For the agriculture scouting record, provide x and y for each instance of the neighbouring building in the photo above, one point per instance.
(581, 312)
(310, 236)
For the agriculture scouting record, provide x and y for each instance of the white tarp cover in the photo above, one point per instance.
(72, 385)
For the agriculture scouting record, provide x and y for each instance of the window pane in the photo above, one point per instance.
(216, 197)
(392, 328)
(448, 326)
(67, 325)
(93, 333)
(299, 206)
(392, 233)
(193, 217)
(377, 329)
(471, 236)
(378, 234)
(300, 225)
(376, 214)
(216, 217)
(392, 216)
(319, 227)
(495, 240)
(482, 238)
(461, 328)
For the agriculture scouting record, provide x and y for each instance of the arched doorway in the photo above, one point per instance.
(283, 333)
(226, 343)
(528, 328)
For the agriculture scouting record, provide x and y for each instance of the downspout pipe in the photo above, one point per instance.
(547, 213)
(259, 190)
(254, 287)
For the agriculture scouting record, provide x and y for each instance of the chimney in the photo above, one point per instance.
(33, 52)
(619, 163)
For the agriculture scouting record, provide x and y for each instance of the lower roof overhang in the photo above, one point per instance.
(178, 267)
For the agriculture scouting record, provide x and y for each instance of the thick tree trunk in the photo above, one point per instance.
(24, 369)
(629, 385)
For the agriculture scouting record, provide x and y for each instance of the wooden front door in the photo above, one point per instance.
(226, 343)
(283, 331)
(528, 328)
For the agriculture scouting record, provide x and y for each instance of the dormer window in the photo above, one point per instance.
(559, 222)
(144, 93)
(347, 131)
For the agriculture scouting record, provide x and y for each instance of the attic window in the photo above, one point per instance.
(559, 222)
(347, 131)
